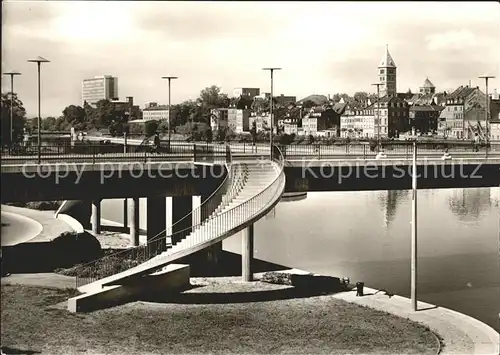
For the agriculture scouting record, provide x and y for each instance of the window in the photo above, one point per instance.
(382, 71)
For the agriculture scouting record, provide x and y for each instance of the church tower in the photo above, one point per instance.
(387, 74)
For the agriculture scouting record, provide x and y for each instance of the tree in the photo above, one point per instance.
(260, 105)
(338, 97)
(360, 96)
(49, 124)
(150, 128)
(209, 135)
(211, 97)
(308, 104)
(18, 119)
(75, 115)
(253, 131)
(104, 113)
(221, 134)
(311, 139)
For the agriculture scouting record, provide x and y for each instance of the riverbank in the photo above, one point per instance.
(217, 315)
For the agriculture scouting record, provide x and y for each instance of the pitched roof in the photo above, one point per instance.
(461, 91)
(428, 84)
(340, 107)
(387, 61)
(426, 108)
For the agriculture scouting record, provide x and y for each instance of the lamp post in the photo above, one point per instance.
(11, 74)
(39, 60)
(271, 110)
(378, 112)
(486, 77)
(413, 290)
(169, 78)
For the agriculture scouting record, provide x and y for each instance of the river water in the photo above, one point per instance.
(366, 236)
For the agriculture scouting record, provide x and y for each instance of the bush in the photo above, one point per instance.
(150, 128)
(74, 248)
(38, 205)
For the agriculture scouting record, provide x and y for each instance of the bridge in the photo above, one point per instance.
(236, 189)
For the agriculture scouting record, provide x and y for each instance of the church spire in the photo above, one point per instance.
(387, 61)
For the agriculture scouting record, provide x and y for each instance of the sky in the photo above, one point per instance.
(322, 47)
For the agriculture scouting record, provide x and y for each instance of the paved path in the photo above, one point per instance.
(18, 229)
(51, 227)
(461, 334)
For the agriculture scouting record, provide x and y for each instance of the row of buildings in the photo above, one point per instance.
(460, 114)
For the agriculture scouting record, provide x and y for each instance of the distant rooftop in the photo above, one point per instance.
(428, 84)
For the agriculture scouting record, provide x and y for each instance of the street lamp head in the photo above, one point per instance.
(271, 68)
(12, 73)
(170, 77)
(377, 84)
(39, 60)
(486, 77)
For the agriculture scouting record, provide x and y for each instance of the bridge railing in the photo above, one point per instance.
(402, 150)
(98, 153)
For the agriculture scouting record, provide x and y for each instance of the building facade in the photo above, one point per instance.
(463, 116)
(424, 118)
(99, 88)
(385, 119)
(156, 112)
(249, 93)
(218, 118)
(387, 75)
(237, 120)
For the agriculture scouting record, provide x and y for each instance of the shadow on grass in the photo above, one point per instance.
(8, 351)
(228, 264)
(236, 297)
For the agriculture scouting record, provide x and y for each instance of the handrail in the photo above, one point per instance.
(218, 193)
(204, 204)
(143, 253)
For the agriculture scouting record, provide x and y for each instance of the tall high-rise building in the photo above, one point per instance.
(387, 75)
(103, 87)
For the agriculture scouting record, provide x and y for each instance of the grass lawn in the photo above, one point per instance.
(211, 318)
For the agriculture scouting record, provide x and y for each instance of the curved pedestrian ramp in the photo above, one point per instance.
(249, 191)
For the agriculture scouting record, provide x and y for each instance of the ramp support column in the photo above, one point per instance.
(181, 207)
(156, 223)
(134, 221)
(96, 216)
(247, 244)
(125, 213)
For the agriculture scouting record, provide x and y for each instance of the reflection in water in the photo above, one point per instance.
(389, 201)
(470, 204)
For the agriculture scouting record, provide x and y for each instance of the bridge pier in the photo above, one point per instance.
(247, 245)
(207, 259)
(125, 212)
(96, 216)
(134, 221)
(156, 222)
(181, 206)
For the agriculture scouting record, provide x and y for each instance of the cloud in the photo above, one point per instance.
(453, 40)
(323, 47)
